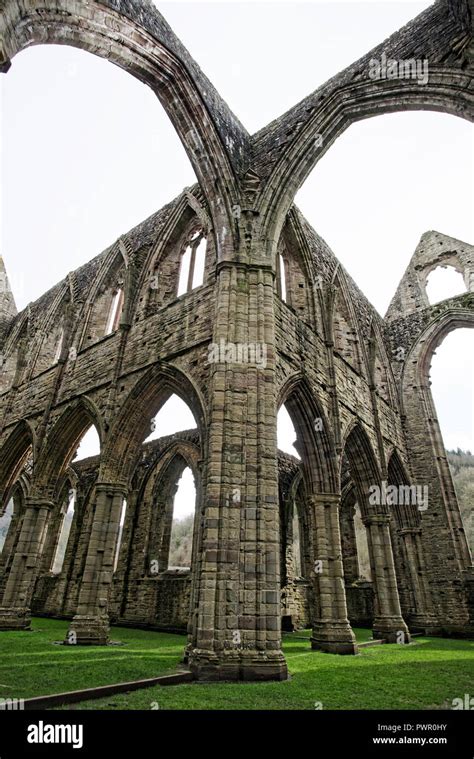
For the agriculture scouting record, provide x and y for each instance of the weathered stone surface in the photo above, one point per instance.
(276, 320)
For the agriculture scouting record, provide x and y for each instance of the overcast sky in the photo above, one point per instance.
(88, 152)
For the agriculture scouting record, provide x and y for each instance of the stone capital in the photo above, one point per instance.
(112, 488)
(39, 502)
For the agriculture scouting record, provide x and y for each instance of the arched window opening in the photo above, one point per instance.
(452, 375)
(444, 282)
(5, 521)
(184, 506)
(89, 445)
(286, 434)
(391, 142)
(59, 347)
(346, 339)
(193, 259)
(174, 416)
(68, 516)
(115, 312)
(184, 272)
(123, 514)
(84, 91)
(199, 263)
(281, 278)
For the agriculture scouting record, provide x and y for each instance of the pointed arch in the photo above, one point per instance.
(11, 364)
(137, 38)
(287, 150)
(105, 302)
(315, 441)
(346, 336)
(362, 464)
(123, 444)
(158, 284)
(162, 484)
(62, 441)
(301, 286)
(51, 328)
(380, 367)
(19, 446)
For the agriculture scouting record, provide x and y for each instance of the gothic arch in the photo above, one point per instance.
(62, 441)
(301, 283)
(132, 425)
(418, 404)
(418, 360)
(13, 353)
(315, 439)
(345, 331)
(163, 479)
(363, 466)
(308, 130)
(137, 39)
(51, 330)
(158, 282)
(14, 453)
(380, 369)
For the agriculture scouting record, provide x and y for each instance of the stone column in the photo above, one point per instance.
(11, 539)
(15, 606)
(423, 619)
(56, 522)
(331, 629)
(388, 621)
(90, 626)
(350, 557)
(165, 532)
(236, 625)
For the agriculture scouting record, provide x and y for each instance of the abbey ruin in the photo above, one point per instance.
(115, 339)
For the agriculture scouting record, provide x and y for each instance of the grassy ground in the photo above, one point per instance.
(30, 665)
(427, 674)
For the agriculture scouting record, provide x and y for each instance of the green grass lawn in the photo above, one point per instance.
(30, 665)
(429, 673)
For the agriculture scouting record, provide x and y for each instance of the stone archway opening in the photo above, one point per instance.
(400, 145)
(174, 416)
(182, 526)
(452, 386)
(89, 445)
(443, 282)
(5, 522)
(286, 433)
(83, 98)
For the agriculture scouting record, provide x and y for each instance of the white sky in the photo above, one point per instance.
(88, 152)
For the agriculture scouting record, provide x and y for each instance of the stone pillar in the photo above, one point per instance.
(331, 629)
(289, 548)
(236, 624)
(15, 606)
(350, 557)
(388, 621)
(56, 522)
(11, 539)
(90, 625)
(165, 532)
(423, 619)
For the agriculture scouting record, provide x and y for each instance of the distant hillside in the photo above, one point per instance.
(462, 469)
(181, 544)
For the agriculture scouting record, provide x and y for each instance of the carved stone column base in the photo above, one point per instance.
(12, 618)
(248, 666)
(88, 631)
(333, 638)
(391, 629)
